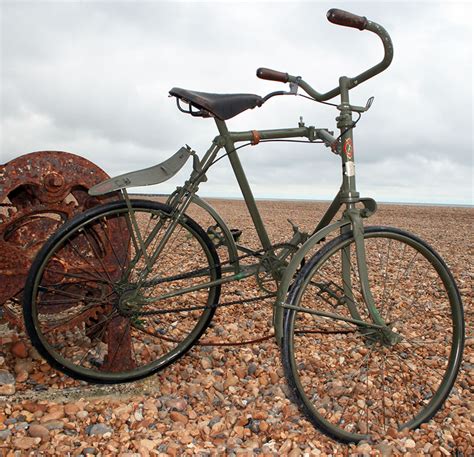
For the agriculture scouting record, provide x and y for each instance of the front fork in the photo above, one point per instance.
(384, 332)
(358, 233)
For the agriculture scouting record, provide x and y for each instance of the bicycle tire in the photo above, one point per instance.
(89, 318)
(346, 380)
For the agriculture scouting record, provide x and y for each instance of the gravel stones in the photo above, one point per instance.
(176, 416)
(7, 383)
(19, 349)
(26, 442)
(4, 434)
(236, 403)
(99, 429)
(38, 431)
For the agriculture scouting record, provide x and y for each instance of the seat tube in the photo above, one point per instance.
(244, 185)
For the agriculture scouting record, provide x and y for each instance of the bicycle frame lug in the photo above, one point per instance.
(312, 134)
(197, 168)
(349, 198)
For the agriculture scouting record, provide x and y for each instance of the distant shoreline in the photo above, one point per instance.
(304, 200)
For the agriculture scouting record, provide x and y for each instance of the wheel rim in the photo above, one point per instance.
(100, 332)
(355, 386)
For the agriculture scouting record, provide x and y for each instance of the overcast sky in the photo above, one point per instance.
(93, 78)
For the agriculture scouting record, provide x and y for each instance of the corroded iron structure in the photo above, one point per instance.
(39, 191)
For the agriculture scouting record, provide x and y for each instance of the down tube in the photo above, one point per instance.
(291, 270)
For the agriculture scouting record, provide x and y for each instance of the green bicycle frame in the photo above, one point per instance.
(347, 197)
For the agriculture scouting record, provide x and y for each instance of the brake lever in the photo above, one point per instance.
(294, 86)
(293, 91)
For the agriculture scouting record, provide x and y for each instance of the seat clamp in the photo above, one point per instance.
(255, 137)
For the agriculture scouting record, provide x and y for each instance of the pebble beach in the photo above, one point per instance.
(228, 399)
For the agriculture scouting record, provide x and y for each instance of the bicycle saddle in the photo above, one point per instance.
(222, 106)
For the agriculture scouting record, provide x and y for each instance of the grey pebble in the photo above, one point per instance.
(4, 434)
(54, 425)
(219, 386)
(21, 426)
(98, 429)
(214, 421)
(252, 368)
(253, 425)
(6, 377)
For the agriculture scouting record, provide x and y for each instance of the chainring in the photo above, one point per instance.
(271, 268)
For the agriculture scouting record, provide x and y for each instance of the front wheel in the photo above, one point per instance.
(99, 307)
(351, 381)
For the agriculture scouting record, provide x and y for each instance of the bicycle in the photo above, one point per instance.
(370, 327)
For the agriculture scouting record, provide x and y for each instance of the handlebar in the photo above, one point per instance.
(346, 19)
(341, 17)
(272, 75)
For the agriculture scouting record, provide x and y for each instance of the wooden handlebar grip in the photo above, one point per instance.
(272, 75)
(341, 17)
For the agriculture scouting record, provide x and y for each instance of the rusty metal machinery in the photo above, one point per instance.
(38, 192)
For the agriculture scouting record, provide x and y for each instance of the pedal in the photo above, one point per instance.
(331, 293)
(215, 234)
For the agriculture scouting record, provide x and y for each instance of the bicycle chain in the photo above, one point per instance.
(234, 302)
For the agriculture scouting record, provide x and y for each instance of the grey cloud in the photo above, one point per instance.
(92, 78)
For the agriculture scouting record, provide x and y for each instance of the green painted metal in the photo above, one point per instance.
(146, 177)
(273, 134)
(336, 317)
(356, 80)
(347, 195)
(292, 268)
(244, 185)
(229, 239)
(280, 263)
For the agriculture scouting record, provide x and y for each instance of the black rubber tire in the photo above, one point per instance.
(324, 393)
(70, 231)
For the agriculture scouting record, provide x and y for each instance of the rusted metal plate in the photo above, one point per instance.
(38, 193)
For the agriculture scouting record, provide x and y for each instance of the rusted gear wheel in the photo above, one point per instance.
(38, 193)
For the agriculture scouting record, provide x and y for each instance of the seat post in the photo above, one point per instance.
(243, 184)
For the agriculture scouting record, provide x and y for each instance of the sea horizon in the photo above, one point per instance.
(312, 200)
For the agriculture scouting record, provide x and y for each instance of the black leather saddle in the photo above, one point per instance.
(222, 106)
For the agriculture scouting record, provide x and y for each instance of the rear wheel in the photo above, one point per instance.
(99, 316)
(349, 380)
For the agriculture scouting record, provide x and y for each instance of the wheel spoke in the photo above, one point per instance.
(388, 382)
(103, 329)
